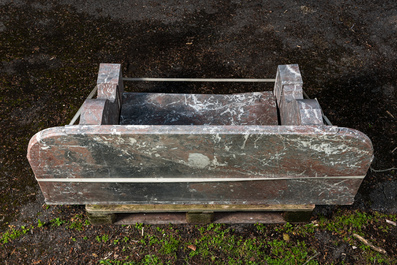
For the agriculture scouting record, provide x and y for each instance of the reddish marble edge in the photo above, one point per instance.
(201, 129)
(198, 129)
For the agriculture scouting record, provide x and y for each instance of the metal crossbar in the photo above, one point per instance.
(147, 79)
(240, 80)
(78, 113)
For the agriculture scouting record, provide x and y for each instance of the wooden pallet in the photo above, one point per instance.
(197, 214)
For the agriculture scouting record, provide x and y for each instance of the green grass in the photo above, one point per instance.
(57, 222)
(12, 234)
(221, 244)
(103, 238)
(354, 222)
(344, 224)
(78, 223)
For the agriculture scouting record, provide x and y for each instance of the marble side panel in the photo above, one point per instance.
(270, 192)
(310, 112)
(268, 164)
(99, 112)
(105, 109)
(287, 75)
(92, 112)
(294, 110)
(198, 109)
(110, 82)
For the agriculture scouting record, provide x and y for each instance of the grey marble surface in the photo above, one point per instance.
(194, 109)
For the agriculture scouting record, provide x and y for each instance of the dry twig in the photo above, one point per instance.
(391, 115)
(312, 257)
(366, 242)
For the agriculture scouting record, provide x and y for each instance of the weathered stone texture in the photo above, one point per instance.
(99, 112)
(105, 110)
(294, 110)
(109, 79)
(321, 165)
(200, 149)
(309, 112)
(193, 109)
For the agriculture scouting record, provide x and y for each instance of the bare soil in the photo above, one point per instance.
(50, 52)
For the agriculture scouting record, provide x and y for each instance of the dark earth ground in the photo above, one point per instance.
(50, 52)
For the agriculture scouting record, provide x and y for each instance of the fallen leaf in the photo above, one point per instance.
(286, 237)
(192, 247)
